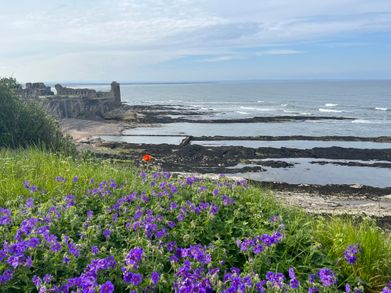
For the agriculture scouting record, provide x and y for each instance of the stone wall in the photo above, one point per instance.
(34, 90)
(74, 103)
(65, 107)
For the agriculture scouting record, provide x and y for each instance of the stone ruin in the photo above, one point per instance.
(36, 89)
(73, 103)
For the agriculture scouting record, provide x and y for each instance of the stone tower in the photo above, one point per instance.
(116, 92)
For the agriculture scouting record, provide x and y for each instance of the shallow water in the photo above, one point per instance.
(297, 144)
(304, 172)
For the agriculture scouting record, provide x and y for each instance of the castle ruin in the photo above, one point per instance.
(72, 102)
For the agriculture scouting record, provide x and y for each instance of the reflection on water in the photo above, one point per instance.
(303, 172)
(145, 139)
(297, 144)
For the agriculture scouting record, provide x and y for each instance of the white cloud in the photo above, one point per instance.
(278, 52)
(38, 38)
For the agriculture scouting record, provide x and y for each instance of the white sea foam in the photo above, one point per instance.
(259, 101)
(381, 109)
(242, 112)
(363, 121)
(330, 110)
(330, 105)
(256, 109)
(284, 105)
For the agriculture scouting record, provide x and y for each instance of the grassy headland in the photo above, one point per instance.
(92, 224)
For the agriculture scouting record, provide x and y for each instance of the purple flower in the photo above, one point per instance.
(33, 242)
(327, 277)
(107, 287)
(5, 216)
(60, 179)
(134, 257)
(47, 278)
(132, 278)
(155, 277)
(30, 203)
(276, 279)
(107, 233)
(258, 249)
(37, 281)
(94, 249)
(214, 209)
(294, 283)
(66, 260)
(215, 192)
(75, 179)
(351, 252)
(6, 277)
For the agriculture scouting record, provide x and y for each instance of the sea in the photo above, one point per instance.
(367, 104)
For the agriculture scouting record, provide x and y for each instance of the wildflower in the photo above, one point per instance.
(47, 278)
(107, 233)
(37, 281)
(327, 277)
(276, 279)
(5, 216)
(6, 277)
(107, 287)
(75, 179)
(30, 203)
(134, 257)
(94, 249)
(351, 252)
(155, 277)
(347, 288)
(147, 157)
(60, 179)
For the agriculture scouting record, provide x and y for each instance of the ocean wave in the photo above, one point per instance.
(259, 101)
(284, 105)
(382, 109)
(330, 105)
(257, 109)
(363, 121)
(242, 112)
(330, 110)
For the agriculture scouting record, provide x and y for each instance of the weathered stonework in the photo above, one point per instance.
(74, 103)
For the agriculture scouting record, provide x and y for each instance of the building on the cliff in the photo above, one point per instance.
(73, 103)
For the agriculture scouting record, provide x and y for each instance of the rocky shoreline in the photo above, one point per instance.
(198, 159)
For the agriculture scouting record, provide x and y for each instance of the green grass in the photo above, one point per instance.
(310, 242)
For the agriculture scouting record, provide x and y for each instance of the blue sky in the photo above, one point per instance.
(193, 40)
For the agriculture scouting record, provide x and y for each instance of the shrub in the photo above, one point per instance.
(24, 123)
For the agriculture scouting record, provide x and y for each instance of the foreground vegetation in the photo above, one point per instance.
(93, 226)
(24, 123)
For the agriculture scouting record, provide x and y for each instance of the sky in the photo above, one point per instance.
(194, 40)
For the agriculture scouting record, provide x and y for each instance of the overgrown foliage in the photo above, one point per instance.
(24, 123)
(92, 226)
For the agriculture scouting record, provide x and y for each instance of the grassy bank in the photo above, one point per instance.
(94, 225)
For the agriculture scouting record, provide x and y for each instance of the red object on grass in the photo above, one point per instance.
(147, 157)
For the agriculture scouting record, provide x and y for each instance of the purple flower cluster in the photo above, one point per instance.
(87, 281)
(387, 289)
(257, 244)
(327, 277)
(350, 253)
(134, 257)
(5, 216)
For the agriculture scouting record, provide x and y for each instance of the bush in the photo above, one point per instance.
(24, 123)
